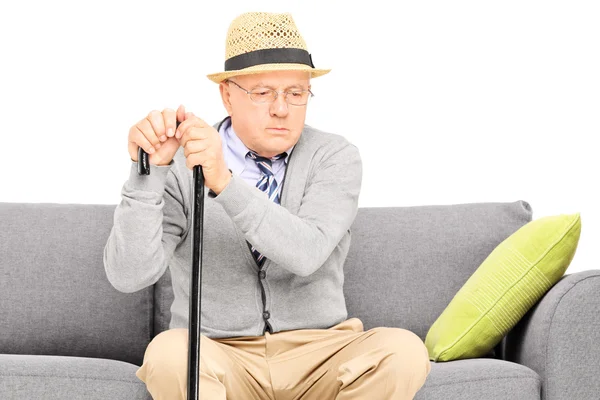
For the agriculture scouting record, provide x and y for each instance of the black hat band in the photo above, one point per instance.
(269, 56)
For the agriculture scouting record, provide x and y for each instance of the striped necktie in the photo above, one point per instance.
(268, 184)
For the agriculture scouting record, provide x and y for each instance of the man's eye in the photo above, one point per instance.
(296, 94)
(262, 92)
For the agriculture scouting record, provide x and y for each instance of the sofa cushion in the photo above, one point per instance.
(73, 378)
(508, 283)
(405, 264)
(55, 298)
(478, 379)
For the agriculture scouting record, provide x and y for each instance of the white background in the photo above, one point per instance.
(448, 101)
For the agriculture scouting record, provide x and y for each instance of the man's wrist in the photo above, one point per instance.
(226, 181)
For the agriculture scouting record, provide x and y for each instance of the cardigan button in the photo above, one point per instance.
(262, 274)
(266, 315)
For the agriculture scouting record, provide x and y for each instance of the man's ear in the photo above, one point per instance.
(225, 96)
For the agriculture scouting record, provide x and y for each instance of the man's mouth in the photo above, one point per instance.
(281, 130)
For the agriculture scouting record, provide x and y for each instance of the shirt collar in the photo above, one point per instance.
(237, 147)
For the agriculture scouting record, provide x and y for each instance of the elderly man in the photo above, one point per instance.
(282, 198)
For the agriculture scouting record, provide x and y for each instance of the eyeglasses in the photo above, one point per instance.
(265, 95)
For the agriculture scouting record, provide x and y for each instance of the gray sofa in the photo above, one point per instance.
(66, 333)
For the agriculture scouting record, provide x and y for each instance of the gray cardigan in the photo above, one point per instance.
(305, 240)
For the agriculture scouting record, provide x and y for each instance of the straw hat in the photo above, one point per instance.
(261, 42)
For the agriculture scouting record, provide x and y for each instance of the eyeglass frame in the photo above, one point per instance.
(249, 93)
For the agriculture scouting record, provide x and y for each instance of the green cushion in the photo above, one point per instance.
(515, 275)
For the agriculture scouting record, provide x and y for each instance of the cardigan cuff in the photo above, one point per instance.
(154, 182)
(237, 195)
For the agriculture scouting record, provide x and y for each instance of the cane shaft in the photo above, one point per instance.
(196, 286)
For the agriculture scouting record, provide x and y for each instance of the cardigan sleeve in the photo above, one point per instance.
(149, 224)
(300, 243)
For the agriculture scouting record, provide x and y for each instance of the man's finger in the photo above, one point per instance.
(187, 122)
(156, 120)
(180, 118)
(181, 113)
(169, 118)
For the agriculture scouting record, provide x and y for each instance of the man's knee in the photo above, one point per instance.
(168, 351)
(407, 347)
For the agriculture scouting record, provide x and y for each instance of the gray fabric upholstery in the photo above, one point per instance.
(66, 333)
(73, 378)
(479, 379)
(405, 264)
(559, 338)
(54, 295)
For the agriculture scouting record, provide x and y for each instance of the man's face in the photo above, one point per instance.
(255, 123)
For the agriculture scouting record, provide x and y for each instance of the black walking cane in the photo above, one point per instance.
(193, 390)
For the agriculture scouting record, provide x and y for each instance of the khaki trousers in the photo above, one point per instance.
(342, 362)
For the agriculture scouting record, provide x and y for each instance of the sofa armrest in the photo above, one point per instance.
(559, 338)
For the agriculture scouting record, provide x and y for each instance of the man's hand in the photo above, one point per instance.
(156, 135)
(202, 146)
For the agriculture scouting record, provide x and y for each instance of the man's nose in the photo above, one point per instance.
(280, 106)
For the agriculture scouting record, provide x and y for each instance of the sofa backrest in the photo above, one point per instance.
(404, 266)
(55, 298)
